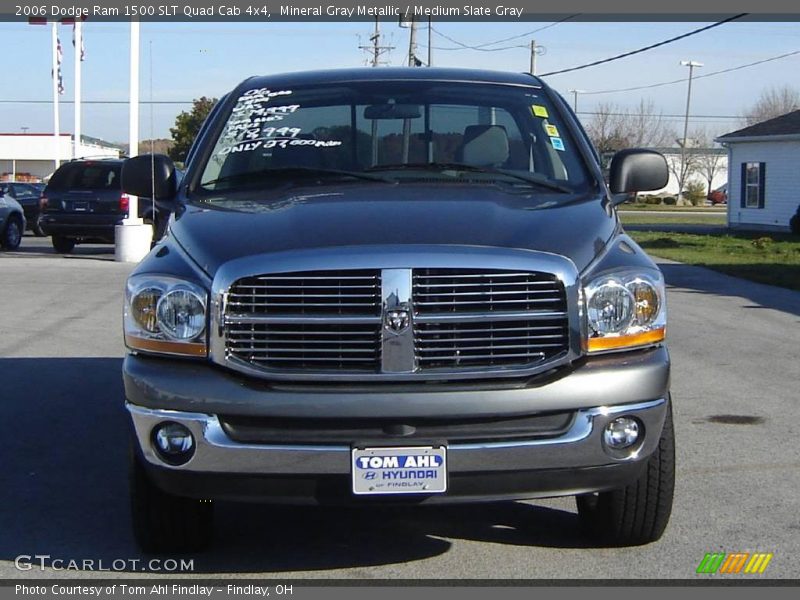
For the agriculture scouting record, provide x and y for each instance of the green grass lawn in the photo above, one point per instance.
(770, 258)
(665, 208)
(678, 218)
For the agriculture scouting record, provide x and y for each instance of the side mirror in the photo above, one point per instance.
(150, 176)
(637, 170)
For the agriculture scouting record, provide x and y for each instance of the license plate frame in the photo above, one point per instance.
(396, 474)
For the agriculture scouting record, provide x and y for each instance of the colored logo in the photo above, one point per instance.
(733, 563)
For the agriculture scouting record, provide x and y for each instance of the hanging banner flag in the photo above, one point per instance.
(83, 49)
(58, 68)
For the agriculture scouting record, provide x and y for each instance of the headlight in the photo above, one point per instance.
(625, 309)
(165, 315)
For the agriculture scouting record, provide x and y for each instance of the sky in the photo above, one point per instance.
(183, 61)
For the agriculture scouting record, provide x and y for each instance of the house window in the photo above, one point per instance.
(753, 177)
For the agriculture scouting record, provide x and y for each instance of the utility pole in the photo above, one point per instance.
(575, 99)
(430, 45)
(412, 44)
(536, 50)
(691, 64)
(375, 48)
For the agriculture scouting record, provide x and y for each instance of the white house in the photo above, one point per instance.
(705, 163)
(32, 156)
(764, 159)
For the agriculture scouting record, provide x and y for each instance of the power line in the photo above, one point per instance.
(485, 46)
(712, 74)
(667, 116)
(96, 101)
(646, 48)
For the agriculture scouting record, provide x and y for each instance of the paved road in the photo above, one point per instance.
(63, 485)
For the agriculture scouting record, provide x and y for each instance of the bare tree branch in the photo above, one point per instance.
(773, 102)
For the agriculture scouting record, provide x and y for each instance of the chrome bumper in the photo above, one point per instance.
(580, 447)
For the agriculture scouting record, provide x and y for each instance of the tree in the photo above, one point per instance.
(709, 164)
(683, 167)
(647, 129)
(614, 128)
(773, 102)
(187, 125)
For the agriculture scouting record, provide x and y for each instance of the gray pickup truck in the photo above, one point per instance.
(396, 286)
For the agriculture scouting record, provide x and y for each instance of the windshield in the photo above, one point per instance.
(395, 131)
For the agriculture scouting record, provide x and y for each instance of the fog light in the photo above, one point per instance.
(174, 442)
(621, 433)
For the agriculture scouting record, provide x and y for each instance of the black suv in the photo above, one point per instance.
(84, 201)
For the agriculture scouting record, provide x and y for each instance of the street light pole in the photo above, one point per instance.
(691, 64)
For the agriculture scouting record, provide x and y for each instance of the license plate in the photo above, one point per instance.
(80, 206)
(411, 470)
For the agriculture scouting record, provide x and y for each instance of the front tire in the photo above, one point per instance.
(639, 512)
(163, 523)
(12, 234)
(63, 245)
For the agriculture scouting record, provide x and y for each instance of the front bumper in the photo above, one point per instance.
(572, 462)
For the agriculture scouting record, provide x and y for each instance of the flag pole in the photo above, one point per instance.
(56, 125)
(133, 237)
(76, 152)
(133, 130)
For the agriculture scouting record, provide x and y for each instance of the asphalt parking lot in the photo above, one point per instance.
(63, 488)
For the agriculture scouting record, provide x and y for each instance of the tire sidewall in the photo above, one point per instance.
(12, 235)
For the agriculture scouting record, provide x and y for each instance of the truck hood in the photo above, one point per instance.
(378, 214)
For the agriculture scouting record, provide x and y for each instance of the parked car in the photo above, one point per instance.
(84, 202)
(12, 221)
(28, 195)
(719, 195)
(396, 285)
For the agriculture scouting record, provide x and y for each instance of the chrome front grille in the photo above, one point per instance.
(308, 293)
(395, 324)
(305, 345)
(476, 290)
(273, 321)
(492, 343)
(537, 332)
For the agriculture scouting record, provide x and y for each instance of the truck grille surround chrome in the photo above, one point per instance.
(459, 315)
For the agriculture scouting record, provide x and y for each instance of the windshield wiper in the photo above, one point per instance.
(444, 166)
(289, 172)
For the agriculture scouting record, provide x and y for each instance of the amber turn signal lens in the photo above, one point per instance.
(627, 341)
(166, 347)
